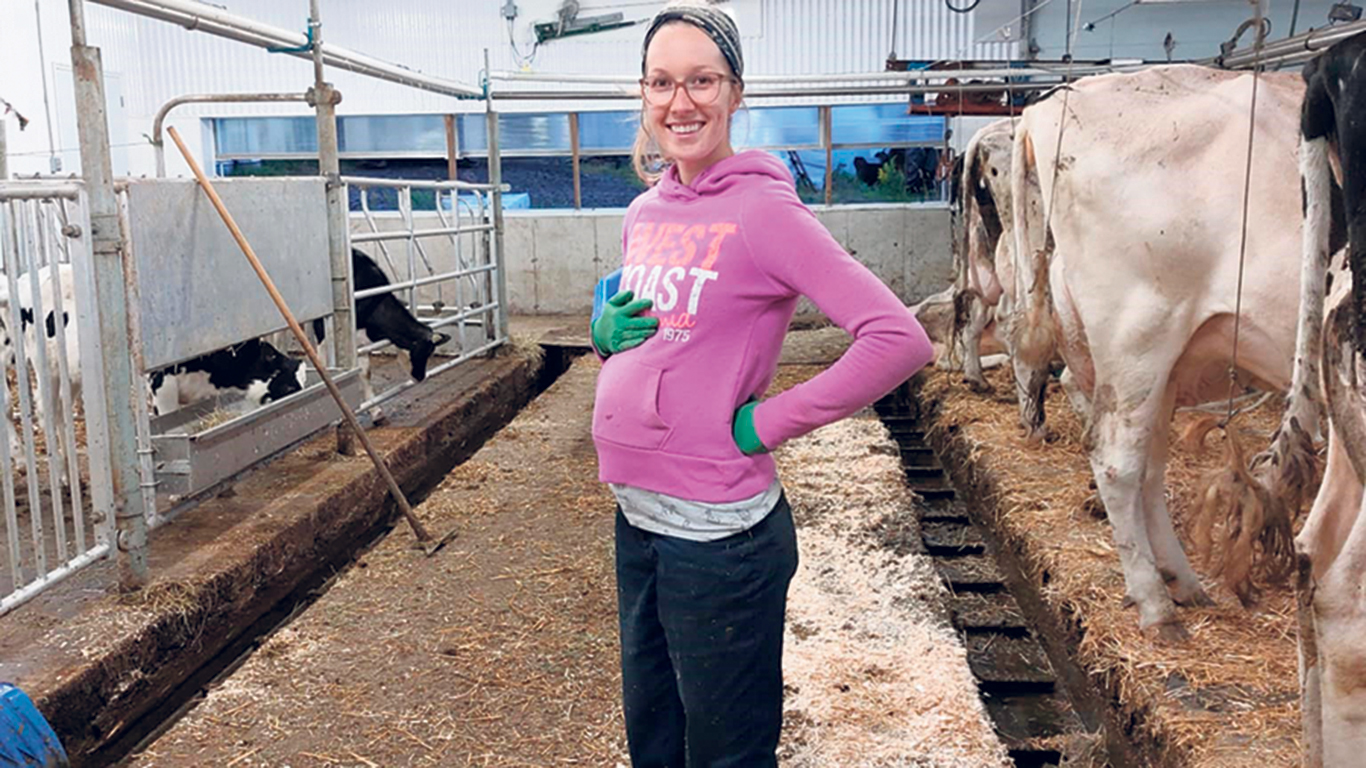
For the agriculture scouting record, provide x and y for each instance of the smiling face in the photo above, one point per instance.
(693, 135)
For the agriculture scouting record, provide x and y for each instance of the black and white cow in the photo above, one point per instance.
(54, 289)
(384, 318)
(259, 370)
(1331, 546)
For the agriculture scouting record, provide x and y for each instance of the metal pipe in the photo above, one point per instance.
(371, 237)
(40, 189)
(1289, 49)
(206, 98)
(421, 282)
(369, 181)
(498, 256)
(13, 267)
(324, 99)
(120, 494)
(21, 596)
(205, 18)
(4, 150)
(789, 93)
(918, 75)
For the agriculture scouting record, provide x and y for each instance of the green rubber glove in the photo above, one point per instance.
(742, 429)
(618, 329)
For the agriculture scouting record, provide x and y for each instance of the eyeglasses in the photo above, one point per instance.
(702, 88)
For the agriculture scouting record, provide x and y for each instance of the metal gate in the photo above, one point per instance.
(54, 460)
(450, 276)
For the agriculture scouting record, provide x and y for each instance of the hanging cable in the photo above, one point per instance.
(522, 61)
(969, 9)
(1091, 25)
(1242, 246)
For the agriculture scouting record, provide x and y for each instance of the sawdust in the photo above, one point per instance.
(875, 676)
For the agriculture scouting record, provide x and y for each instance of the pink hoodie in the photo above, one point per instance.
(725, 261)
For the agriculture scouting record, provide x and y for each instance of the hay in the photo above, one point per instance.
(215, 418)
(1228, 696)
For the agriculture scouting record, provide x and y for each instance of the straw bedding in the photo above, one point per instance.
(1226, 697)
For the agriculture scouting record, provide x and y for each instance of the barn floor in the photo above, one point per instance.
(97, 662)
(1228, 696)
(502, 650)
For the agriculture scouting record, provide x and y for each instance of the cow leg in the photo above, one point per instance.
(971, 341)
(367, 389)
(1182, 580)
(1081, 402)
(1121, 439)
(1325, 531)
(1339, 605)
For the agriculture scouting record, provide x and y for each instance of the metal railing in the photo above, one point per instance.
(51, 529)
(448, 276)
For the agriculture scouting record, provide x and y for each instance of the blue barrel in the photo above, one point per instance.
(26, 739)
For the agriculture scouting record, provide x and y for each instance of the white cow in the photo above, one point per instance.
(1127, 256)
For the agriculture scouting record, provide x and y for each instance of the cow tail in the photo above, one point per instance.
(964, 293)
(1242, 531)
(1255, 503)
(1035, 344)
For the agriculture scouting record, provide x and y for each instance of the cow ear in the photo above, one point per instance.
(26, 317)
(51, 324)
(441, 338)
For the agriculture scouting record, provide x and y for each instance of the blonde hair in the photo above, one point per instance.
(647, 158)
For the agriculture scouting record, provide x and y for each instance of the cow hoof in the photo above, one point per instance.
(1187, 592)
(1192, 598)
(378, 416)
(1128, 602)
(1094, 507)
(980, 387)
(1169, 633)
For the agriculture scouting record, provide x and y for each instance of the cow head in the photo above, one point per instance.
(423, 351)
(282, 374)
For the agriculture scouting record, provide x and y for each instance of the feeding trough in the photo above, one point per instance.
(195, 448)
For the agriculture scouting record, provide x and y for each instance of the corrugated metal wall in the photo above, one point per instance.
(159, 60)
(153, 61)
(1124, 30)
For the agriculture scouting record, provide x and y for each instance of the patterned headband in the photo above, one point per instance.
(718, 25)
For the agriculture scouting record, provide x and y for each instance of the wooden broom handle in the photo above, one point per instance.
(418, 529)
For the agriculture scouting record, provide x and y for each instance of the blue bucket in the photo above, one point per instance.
(26, 740)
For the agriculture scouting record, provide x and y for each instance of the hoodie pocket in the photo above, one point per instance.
(626, 406)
